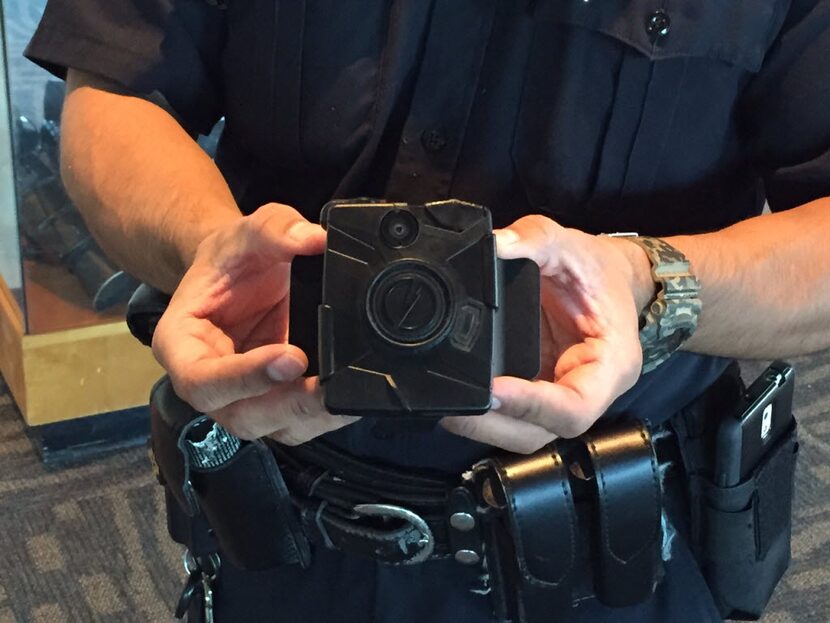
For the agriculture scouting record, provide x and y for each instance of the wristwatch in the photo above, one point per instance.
(671, 317)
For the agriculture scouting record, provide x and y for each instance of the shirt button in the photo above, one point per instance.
(433, 141)
(658, 25)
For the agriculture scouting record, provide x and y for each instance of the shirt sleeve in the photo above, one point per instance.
(171, 47)
(786, 109)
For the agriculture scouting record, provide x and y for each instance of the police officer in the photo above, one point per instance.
(568, 118)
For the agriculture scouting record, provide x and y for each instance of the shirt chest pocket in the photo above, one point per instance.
(614, 91)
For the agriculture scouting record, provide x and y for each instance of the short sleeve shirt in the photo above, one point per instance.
(678, 116)
(606, 116)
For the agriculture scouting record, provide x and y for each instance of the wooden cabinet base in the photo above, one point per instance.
(75, 372)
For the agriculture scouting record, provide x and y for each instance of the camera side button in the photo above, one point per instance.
(466, 327)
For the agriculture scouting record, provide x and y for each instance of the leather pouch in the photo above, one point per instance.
(244, 499)
(628, 508)
(532, 538)
(746, 530)
(578, 518)
(248, 506)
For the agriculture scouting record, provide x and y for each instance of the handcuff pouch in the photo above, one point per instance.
(628, 538)
(532, 536)
(578, 518)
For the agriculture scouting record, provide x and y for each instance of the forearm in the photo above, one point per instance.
(765, 284)
(147, 191)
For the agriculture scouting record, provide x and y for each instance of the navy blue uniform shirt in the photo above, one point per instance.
(658, 116)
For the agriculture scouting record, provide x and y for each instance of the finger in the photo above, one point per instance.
(285, 232)
(273, 234)
(303, 414)
(567, 407)
(211, 383)
(292, 413)
(562, 255)
(497, 429)
(534, 237)
(311, 427)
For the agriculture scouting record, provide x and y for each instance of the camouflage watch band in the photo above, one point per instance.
(671, 318)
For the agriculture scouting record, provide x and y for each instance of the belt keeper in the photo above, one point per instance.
(464, 527)
(309, 479)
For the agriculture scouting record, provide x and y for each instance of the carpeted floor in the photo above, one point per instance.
(88, 544)
(84, 544)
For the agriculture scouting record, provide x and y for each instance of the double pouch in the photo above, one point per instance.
(740, 534)
(579, 518)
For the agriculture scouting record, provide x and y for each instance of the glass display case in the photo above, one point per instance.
(64, 280)
(64, 349)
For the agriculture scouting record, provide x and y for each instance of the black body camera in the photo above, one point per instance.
(417, 314)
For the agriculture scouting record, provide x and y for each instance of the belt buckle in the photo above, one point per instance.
(422, 536)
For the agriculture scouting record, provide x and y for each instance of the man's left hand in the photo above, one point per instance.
(592, 289)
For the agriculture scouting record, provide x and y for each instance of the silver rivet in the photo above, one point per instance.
(467, 557)
(463, 522)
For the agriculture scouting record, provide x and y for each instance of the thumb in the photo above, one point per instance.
(537, 238)
(285, 232)
(307, 238)
(214, 382)
(534, 237)
(505, 239)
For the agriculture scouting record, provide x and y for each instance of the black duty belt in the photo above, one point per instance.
(580, 517)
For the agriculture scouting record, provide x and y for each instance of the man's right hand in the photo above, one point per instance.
(223, 338)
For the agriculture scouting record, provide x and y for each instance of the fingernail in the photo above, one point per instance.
(495, 404)
(285, 368)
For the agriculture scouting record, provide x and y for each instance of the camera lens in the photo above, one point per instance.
(399, 228)
(409, 304)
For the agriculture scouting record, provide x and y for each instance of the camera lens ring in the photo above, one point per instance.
(399, 228)
(410, 304)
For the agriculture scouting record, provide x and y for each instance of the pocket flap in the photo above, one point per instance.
(737, 32)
